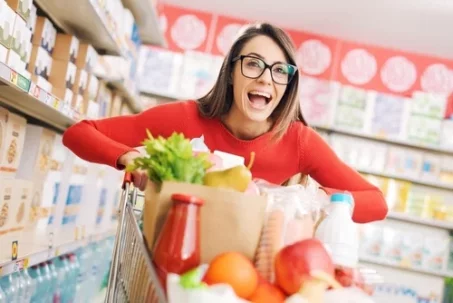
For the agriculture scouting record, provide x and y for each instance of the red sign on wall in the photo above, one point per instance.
(315, 54)
(225, 33)
(186, 29)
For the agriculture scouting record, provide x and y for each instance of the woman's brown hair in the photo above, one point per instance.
(217, 102)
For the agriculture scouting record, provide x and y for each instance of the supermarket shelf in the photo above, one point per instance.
(429, 272)
(130, 97)
(422, 221)
(438, 184)
(431, 148)
(31, 258)
(84, 19)
(163, 97)
(147, 20)
(22, 95)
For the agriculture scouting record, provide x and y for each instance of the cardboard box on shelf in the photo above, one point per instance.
(21, 7)
(12, 132)
(40, 62)
(7, 19)
(63, 74)
(15, 63)
(36, 158)
(66, 48)
(3, 54)
(18, 32)
(6, 204)
(26, 46)
(22, 193)
(92, 88)
(87, 57)
(92, 109)
(44, 34)
(81, 82)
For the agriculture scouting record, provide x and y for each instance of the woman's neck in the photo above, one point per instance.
(243, 128)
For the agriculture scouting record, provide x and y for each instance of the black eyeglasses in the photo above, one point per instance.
(253, 67)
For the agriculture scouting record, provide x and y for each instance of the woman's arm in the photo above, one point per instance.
(319, 161)
(105, 141)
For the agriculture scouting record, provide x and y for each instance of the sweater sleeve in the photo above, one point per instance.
(104, 141)
(320, 161)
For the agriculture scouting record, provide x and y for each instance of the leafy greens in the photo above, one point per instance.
(171, 159)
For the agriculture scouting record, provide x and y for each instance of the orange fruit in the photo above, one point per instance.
(267, 293)
(234, 269)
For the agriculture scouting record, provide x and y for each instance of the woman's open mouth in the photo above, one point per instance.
(259, 100)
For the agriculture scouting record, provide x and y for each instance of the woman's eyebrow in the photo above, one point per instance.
(264, 59)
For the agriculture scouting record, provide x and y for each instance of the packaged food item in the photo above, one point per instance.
(412, 248)
(290, 217)
(371, 240)
(392, 244)
(435, 252)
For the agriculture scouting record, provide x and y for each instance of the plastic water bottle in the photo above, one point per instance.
(339, 233)
(11, 289)
(38, 281)
(54, 282)
(2, 296)
(47, 282)
(29, 286)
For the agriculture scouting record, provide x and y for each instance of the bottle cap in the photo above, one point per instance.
(342, 198)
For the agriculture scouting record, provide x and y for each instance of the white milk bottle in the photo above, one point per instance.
(339, 233)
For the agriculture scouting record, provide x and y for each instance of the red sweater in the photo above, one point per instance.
(301, 150)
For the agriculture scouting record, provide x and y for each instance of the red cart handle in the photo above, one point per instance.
(128, 179)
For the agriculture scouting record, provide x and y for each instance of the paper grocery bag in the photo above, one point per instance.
(230, 220)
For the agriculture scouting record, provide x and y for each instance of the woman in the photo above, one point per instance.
(253, 106)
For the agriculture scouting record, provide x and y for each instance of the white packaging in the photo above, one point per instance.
(431, 167)
(36, 158)
(339, 233)
(22, 191)
(7, 19)
(3, 54)
(12, 142)
(435, 252)
(447, 131)
(424, 130)
(6, 205)
(428, 104)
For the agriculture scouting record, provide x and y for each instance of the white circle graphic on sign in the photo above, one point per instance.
(398, 74)
(188, 32)
(359, 66)
(226, 37)
(314, 57)
(437, 78)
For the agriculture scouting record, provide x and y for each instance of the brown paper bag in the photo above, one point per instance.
(230, 221)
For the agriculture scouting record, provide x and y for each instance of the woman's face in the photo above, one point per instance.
(257, 98)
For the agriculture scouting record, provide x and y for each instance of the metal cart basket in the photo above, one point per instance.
(132, 275)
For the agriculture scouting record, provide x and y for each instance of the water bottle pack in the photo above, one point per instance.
(71, 278)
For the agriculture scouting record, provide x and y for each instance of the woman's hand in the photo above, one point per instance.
(139, 176)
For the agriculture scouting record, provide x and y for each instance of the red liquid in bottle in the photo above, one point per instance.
(177, 248)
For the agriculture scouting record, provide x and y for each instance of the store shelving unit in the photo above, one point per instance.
(433, 184)
(431, 272)
(36, 254)
(422, 221)
(147, 20)
(130, 97)
(431, 148)
(22, 95)
(86, 20)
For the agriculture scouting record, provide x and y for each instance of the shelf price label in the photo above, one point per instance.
(14, 250)
(13, 77)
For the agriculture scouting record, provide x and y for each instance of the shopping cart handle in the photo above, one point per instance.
(127, 179)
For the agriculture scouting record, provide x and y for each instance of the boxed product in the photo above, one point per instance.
(424, 130)
(87, 57)
(22, 192)
(3, 54)
(52, 184)
(6, 204)
(428, 104)
(318, 99)
(31, 23)
(7, 19)
(12, 136)
(404, 161)
(79, 89)
(93, 88)
(388, 115)
(14, 55)
(44, 34)
(62, 78)
(431, 167)
(22, 7)
(446, 170)
(66, 48)
(40, 63)
(36, 158)
(92, 111)
(435, 252)
(447, 131)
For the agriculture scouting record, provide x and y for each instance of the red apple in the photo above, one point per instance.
(296, 263)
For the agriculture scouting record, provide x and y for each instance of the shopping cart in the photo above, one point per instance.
(132, 275)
